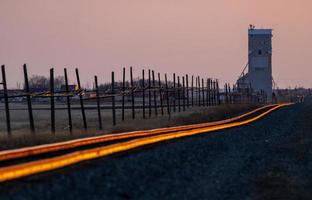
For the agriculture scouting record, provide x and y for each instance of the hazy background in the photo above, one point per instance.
(200, 37)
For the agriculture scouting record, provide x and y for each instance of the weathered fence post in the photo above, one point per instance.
(149, 94)
(226, 101)
(196, 91)
(113, 99)
(203, 91)
(187, 92)
(81, 100)
(132, 94)
(167, 94)
(6, 100)
(230, 95)
(123, 94)
(214, 92)
(160, 95)
(98, 102)
(143, 95)
(174, 92)
(199, 96)
(52, 103)
(228, 88)
(183, 92)
(70, 125)
(207, 92)
(28, 97)
(218, 92)
(155, 94)
(192, 91)
(179, 94)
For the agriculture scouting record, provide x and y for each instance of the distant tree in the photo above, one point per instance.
(40, 83)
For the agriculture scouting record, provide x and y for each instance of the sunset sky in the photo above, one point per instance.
(199, 37)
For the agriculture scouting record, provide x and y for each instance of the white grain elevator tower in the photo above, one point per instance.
(259, 74)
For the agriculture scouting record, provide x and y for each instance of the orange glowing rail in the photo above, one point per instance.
(40, 149)
(13, 172)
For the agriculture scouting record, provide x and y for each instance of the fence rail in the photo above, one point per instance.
(152, 95)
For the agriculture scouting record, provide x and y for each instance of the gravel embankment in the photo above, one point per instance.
(269, 159)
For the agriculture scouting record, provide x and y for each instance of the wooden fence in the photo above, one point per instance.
(150, 93)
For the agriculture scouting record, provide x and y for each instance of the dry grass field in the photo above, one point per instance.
(21, 136)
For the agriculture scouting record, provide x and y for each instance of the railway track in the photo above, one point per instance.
(32, 160)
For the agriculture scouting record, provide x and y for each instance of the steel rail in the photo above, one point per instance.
(44, 165)
(47, 148)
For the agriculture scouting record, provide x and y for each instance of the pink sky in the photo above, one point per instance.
(200, 37)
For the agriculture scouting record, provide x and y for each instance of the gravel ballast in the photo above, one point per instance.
(268, 159)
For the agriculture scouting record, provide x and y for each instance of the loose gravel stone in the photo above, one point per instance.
(268, 159)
